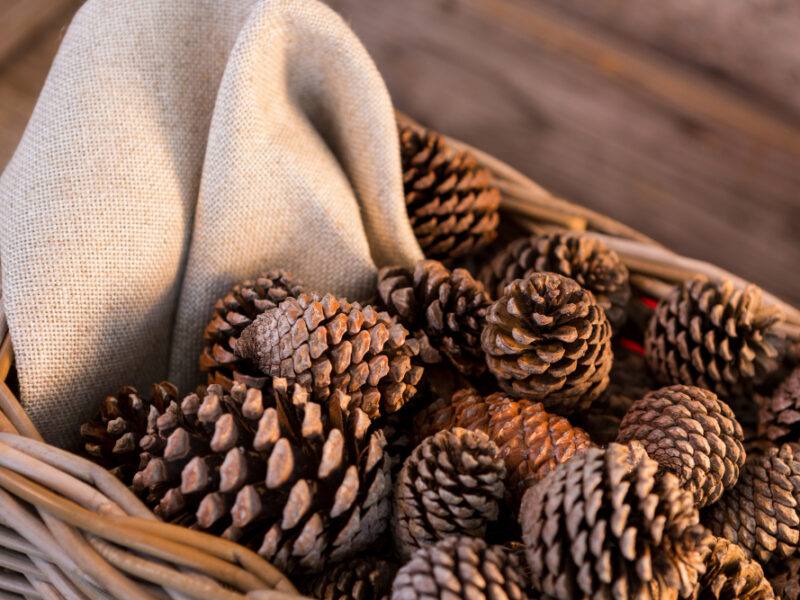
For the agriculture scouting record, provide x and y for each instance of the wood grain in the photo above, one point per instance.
(707, 186)
(23, 20)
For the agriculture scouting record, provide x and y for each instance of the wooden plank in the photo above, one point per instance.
(702, 185)
(23, 20)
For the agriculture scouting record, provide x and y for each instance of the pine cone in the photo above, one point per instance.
(547, 339)
(691, 433)
(532, 442)
(302, 487)
(364, 578)
(586, 260)
(327, 344)
(451, 484)
(450, 307)
(784, 575)
(232, 313)
(711, 335)
(730, 575)
(450, 201)
(760, 513)
(780, 415)
(603, 526)
(460, 568)
(111, 439)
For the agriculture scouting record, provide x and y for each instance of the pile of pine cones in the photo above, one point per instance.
(531, 428)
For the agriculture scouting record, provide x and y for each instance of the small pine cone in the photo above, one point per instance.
(603, 526)
(451, 484)
(532, 441)
(588, 261)
(711, 335)
(232, 313)
(450, 307)
(780, 415)
(761, 512)
(363, 578)
(327, 344)
(784, 575)
(691, 433)
(461, 567)
(547, 339)
(450, 200)
(304, 485)
(730, 575)
(111, 439)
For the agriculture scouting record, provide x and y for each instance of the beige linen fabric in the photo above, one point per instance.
(176, 148)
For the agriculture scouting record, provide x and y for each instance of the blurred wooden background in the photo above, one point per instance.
(681, 119)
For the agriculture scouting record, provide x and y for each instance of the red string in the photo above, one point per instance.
(649, 302)
(632, 346)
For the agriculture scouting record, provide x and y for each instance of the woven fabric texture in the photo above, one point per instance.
(177, 148)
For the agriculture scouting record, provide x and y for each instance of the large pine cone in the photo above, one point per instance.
(547, 339)
(450, 201)
(232, 313)
(111, 439)
(586, 260)
(451, 484)
(303, 485)
(327, 344)
(784, 575)
(730, 575)
(450, 307)
(711, 335)
(461, 567)
(364, 578)
(691, 433)
(603, 526)
(532, 441)
(780, 414)
(761, 512)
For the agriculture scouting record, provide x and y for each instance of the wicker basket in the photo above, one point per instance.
(69, 529)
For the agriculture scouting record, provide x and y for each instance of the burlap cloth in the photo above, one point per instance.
(177, 148)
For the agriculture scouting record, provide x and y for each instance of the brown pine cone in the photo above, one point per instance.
(363, 578)
(547, 339)
(304, 485)
(760, 513)
(784, 575)
(603, 526)
(450, 200)
(450, 307)
(691, 433)
(588, 261)
(111, 439)
(730, 575)
(709, 334)
(232, 313)
(327, 344)
(461, 567)
(451, 484)
(532, 441)
(780, 415)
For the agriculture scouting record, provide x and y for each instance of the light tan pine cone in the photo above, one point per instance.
(111, 439)
(451, 484)
(547, 339)
(532, 441)
(461, 568)
(602, 526)
(363, 578)
(302, 484)
(232, 313)
(450, 200)
(731, 575)
(450, 307)
(780, 414)
(588, 261)
(709, 334)
(784, 575)
(691, 433)
(760, 513)
(327, 344)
